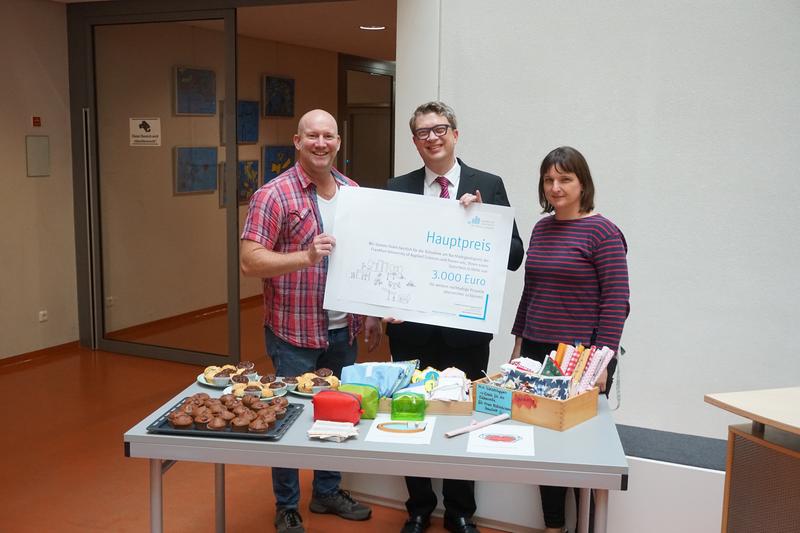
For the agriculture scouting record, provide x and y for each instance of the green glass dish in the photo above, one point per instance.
(408, 406)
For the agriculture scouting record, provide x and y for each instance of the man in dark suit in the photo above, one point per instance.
(434, 132)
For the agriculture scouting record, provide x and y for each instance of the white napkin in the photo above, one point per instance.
(335, 431)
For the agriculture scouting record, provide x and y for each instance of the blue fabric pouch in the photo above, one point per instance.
(386, 377)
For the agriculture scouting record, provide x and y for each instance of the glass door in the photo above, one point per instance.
(163, 217)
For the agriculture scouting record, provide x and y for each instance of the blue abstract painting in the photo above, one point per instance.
(195, 91)
(277, 159)
(195, 170)
(246, 122)
(278, 97)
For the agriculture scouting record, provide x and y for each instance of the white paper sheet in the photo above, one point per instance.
(376, 435)
(418, 258)
(502, 439)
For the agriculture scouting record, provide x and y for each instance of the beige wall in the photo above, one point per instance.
(688, 115)
(37, 251)
(37, 264)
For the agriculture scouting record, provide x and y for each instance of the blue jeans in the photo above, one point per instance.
(290, 360)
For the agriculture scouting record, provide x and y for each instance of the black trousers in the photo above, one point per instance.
(458, 494)
(554, 498)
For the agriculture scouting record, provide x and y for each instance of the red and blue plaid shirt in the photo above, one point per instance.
(284, 217)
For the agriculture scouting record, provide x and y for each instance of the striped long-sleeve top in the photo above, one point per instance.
(576, 279)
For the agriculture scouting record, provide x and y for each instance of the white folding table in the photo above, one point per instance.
(588, 456)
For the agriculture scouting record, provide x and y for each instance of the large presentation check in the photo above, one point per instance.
(419, 259)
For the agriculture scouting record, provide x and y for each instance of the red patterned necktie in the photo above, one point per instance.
(444, 183)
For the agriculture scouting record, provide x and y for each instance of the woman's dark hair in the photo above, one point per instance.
(568, 159)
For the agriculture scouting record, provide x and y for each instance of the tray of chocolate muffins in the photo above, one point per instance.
(250, 417)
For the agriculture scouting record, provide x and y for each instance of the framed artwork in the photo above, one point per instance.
(247, 122)
(195, 169)
(277, 96)
(247, 180)
(195, 91)
(277, 159)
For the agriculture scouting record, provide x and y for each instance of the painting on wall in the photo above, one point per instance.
(277, 96)
(247, 122)
(195, 169)
(247, 174)
(277, 159)
(195, 91)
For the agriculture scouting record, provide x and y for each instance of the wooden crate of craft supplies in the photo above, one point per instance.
(532, 409)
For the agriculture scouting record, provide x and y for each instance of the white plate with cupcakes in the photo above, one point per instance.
(255, 388)
(226, 375)
(311, 383)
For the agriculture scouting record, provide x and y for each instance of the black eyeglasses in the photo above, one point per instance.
(439, 130)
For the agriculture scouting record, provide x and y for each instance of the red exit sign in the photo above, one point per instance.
(37, 122)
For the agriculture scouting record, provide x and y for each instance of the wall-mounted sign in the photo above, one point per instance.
(37, 155)
(145, 131)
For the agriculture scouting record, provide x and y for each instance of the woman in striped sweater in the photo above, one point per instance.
(576, 280)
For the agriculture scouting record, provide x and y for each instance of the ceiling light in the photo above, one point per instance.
(373, 28)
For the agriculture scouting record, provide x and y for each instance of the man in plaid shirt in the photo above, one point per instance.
(285, 244)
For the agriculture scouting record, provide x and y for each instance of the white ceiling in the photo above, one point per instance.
(326, 25)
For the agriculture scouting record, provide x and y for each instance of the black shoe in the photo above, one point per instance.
(340, 503)
(460, 524)
(416, 524)
(288, 521)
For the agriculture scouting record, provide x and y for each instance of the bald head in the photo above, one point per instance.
(316, 118)
(316, 144)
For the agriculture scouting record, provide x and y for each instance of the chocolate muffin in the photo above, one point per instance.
(269, 378)
(189, 408)
(265, 411)
(200, 396)
(250, 399)
(280, 402)
(323, 372)
(258, 425)
(201, 410)
(240, 423)
(216, 409)
(217, 424)
(182, 421)
(269, 418)
(253, 391)
(201, 421)
(320, 382)
(259, 405)
(246, 365)
(277, 385)
(227, 416)
(240, 378)
(290, 380)
(230, 404)
(280, 413)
